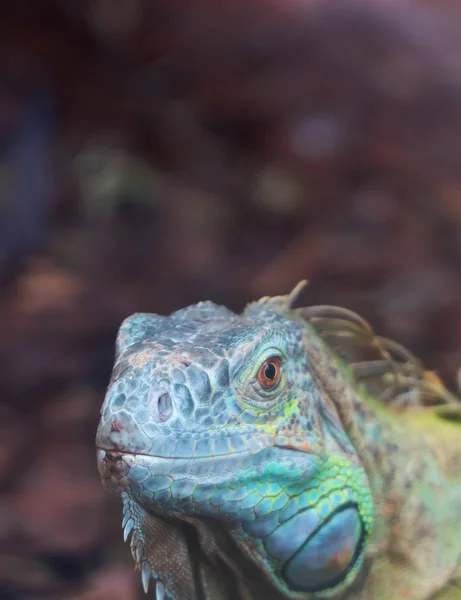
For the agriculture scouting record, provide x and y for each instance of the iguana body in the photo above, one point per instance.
(254, 463)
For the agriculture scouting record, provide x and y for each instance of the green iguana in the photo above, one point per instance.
(281, 454)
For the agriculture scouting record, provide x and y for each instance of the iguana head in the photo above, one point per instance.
(217, 420)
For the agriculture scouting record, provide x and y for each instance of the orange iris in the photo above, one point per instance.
(269, 373)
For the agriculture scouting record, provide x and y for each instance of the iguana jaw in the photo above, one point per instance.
(261, 505)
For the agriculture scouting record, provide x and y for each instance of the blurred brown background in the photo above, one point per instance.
(153, 154)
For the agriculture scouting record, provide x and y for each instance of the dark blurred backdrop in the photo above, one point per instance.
(154, 154)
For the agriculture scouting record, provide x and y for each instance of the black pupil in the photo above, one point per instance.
(270, 371)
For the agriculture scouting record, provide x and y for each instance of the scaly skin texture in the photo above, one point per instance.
(337, 479)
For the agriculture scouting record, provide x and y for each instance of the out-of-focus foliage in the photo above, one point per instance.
(153, 154)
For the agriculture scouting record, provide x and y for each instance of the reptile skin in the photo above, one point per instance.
(258, 458)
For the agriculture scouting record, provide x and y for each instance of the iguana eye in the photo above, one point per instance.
(269, 373)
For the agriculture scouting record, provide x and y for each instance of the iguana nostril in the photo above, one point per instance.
(116, 426)
(162, 407)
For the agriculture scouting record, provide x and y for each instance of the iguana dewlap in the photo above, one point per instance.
(261, 456)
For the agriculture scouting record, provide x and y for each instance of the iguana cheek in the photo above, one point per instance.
(326, 556)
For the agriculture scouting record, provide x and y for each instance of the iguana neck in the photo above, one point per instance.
(370, 428)
(412, 460)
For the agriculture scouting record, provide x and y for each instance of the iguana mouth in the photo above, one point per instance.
(254, 446)
(119, 454)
